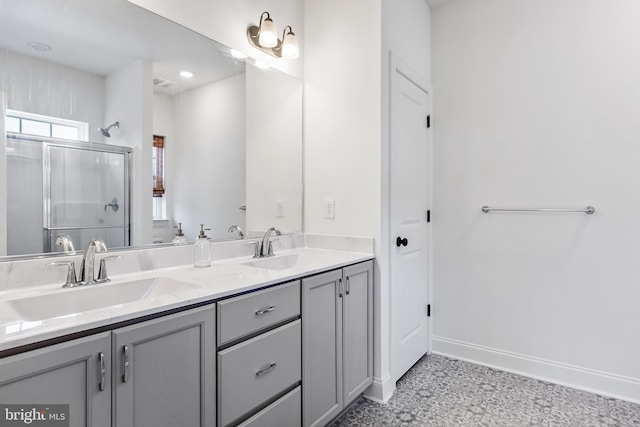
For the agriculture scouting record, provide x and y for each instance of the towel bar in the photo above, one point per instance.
(588, 210)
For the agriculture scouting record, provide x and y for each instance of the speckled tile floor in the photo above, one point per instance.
(443, 392)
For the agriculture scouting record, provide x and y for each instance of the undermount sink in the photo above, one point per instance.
(77, 300)
(275, 263)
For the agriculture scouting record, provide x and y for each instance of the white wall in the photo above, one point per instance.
(42, 87)
(342, 115)
(206, 176)
(406, 30)
(129, 98)
(227, 22)
(536, 104)
(274, 151)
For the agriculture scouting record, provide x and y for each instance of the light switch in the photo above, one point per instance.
(330, 208)
(279, 208)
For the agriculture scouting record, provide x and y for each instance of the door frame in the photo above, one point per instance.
(397, 65)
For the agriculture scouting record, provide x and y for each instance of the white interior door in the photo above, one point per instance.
(409, 202)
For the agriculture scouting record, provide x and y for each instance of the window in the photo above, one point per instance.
(54, 127)
(158, 166)
(159, 202)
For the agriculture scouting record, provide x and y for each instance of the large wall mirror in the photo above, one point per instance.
(118, 124)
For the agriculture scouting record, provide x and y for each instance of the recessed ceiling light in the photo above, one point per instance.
(40, 47)
(238, 54)
(186, 74)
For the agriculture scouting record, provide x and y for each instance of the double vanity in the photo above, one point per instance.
(279, 341)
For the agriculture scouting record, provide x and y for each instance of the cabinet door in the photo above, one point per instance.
(321, 347)
(357, 319)
(63, 374)
(163, 372)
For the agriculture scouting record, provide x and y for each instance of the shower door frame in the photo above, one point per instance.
(47, 143)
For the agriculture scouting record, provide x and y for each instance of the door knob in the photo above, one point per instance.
(401, 242)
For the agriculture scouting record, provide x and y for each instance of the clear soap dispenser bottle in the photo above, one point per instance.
(202, 249)
(179, 239)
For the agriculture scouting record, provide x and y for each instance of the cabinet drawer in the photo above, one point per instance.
(248, 313)
(255, 370)
(286, 411)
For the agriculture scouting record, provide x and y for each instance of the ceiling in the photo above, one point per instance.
(101, 36)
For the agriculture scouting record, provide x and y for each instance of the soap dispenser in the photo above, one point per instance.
(202, 249)
(179, 239)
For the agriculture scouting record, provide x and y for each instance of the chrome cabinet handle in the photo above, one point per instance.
(348, 286)
(125, 363)
(103, 371)
(265, 310)
(340, 288)
(266, 370)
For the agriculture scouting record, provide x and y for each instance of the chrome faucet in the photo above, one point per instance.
(237, 230)
(265, 248)
(87, 268)
(66, 242)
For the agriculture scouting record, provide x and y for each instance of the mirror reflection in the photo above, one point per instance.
(119, 124)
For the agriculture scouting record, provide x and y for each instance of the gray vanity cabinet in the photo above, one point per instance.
(75, 372)
(164, 371)
(288, 355)
(259, 358)
(337, 340)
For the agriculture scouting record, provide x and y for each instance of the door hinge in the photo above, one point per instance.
(428, 310)
(428, 121)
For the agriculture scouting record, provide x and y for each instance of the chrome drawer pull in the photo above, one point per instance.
(103, 371)
(266, 370)
(348, 286)
(265, 310)
(125, 363)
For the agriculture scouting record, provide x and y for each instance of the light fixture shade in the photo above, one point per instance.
(268, 36)
(290, 46)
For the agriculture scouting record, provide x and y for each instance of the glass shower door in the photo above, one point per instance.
(86, 196)
(24, 196)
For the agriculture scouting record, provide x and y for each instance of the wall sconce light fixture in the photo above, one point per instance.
(265, 38)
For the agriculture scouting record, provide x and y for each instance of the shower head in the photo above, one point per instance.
(105, 131)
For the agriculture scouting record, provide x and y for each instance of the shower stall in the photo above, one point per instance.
(57, 187)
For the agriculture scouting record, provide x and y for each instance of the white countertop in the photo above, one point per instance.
(222, 279)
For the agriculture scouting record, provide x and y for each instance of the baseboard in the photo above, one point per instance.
(602, 383)
(381, 390)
